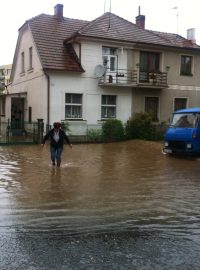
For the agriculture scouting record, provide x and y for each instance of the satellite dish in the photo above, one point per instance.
(99, 71)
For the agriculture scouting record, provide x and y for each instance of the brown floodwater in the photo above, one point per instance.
(101, 188)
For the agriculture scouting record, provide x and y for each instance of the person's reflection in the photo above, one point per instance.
(55, 174)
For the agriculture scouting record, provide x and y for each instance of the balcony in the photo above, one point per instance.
(134, 79)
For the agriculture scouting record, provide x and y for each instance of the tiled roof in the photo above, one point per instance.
(177, 40)
(49, 34)
(111, 26)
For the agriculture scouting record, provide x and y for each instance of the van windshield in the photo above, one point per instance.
(184, 120)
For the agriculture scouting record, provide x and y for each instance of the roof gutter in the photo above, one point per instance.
(136, 43)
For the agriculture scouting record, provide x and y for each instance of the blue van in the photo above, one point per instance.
(183, 134)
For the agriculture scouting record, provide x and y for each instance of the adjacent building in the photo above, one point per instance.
(87, 72)
(5, 72)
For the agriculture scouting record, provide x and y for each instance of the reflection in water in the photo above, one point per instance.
(109, 206)
(100, 188)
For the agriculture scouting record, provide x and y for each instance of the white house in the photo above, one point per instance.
(87, 72)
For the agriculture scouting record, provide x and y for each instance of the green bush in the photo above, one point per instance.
(140, 127)
(159, 131)
(65, 126)
(113, 130)
(94, 134)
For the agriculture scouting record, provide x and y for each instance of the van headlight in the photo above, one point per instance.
(189, 145)
(194, 135)
(166, 144)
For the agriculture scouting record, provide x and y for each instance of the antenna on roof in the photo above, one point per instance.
(176, 19)
(109, 16)
(105, 6)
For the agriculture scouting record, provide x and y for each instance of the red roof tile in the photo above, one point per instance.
(177, 40)
(113, 27)
(49, 34)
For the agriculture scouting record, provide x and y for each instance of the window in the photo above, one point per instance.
(73, 106)
(3, 106)
(151, 107)
(30, 115)
(108, 106)
(180, 103)
(149, 63)
(22, 63)
(186, 65)
(30, 58)
(183, 120)
(110, 58)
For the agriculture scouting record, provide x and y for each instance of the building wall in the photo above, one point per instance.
(179, 86)
(173, 60)
(87, 85)
(32, 83)
(62, 84)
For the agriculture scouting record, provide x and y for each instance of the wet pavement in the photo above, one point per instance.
(110, 206)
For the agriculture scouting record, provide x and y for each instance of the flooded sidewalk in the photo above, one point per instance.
(109, 206)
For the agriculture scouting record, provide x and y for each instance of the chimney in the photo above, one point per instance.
(140, 20)
(58, 11)
(191, 35)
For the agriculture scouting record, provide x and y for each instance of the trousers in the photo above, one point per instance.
(56, 153)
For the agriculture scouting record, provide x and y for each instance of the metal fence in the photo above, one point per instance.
(12, 132)
(79, 132)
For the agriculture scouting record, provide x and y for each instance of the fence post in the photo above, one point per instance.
(8, 131)
(40, 130)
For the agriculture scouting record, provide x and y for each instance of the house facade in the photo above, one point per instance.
(87, 72)
(5, 72)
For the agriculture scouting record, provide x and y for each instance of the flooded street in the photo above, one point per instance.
(109, 206)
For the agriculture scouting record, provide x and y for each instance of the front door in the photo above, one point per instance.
(17, 115)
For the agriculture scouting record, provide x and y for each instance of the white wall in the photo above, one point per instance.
(87, 84)
(63, 83)
(32, 84)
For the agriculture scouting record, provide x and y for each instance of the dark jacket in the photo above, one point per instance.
(63, 137)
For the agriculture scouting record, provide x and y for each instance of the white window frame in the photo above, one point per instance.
(107, 106)
(73, 105)
(109, 55)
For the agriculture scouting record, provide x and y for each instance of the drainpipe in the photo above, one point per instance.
(48, 96)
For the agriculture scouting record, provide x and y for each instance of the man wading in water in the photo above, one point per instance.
(57, 137)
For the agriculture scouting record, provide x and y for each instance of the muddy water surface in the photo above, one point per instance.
(129, 189)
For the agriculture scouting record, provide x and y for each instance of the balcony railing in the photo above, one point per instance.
(120, 76)
(134, 78)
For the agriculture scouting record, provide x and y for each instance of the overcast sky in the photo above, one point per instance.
(160, 16)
